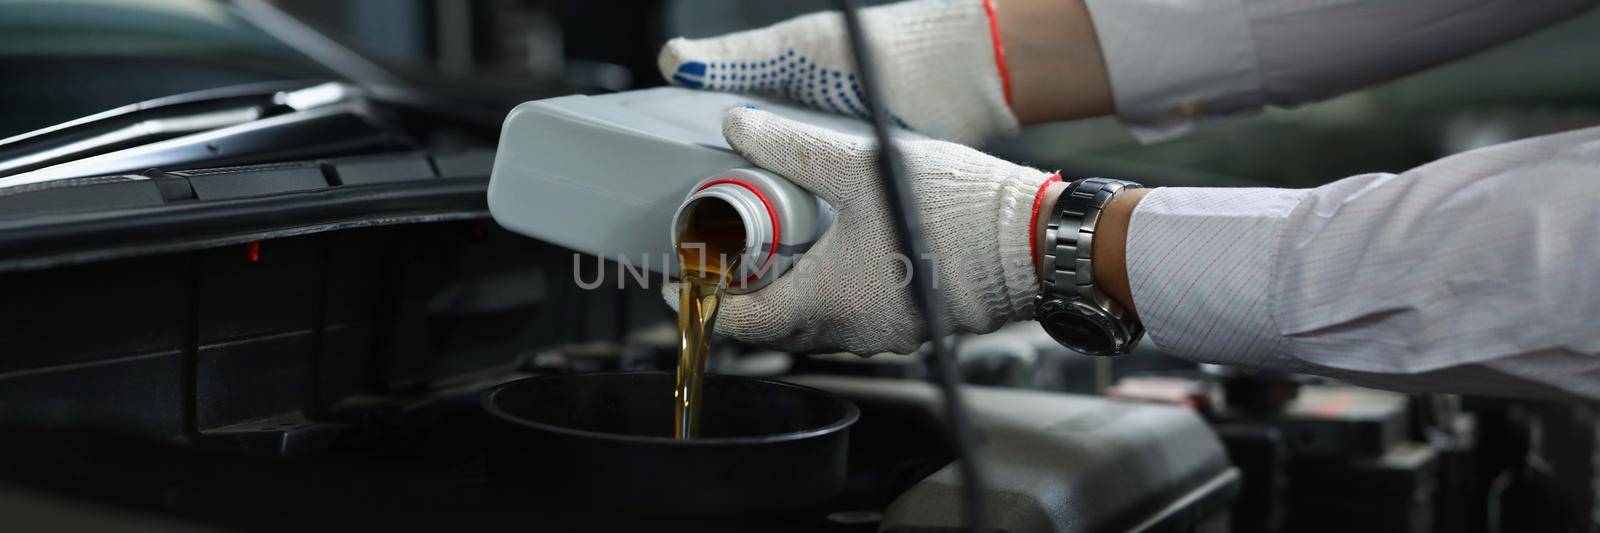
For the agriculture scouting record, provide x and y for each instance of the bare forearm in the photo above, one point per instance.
(1053, 58)
(1111, 247)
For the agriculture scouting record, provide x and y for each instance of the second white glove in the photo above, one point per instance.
(850, 291)
(942, 65)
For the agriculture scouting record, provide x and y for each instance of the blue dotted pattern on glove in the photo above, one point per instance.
(789, 75)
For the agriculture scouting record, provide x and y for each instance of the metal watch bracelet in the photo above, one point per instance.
(1069, 244)
(1070, 235)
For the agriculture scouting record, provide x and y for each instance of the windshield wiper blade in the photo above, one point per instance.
(164, 132)
(135, 133)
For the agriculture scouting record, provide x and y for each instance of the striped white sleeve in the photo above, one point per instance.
(1475, 274)
(1175, 64)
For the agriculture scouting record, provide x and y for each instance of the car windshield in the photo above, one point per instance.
(63, 59)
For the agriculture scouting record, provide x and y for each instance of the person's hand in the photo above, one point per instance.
(850, 291)
(941, 66)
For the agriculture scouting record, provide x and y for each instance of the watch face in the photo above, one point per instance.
(1078, 332)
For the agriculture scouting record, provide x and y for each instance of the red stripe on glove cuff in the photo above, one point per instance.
(1033, 219)
(999, 50)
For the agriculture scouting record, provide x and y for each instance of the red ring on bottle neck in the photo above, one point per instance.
(772, 214)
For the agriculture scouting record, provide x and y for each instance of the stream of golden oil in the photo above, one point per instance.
(709, 248)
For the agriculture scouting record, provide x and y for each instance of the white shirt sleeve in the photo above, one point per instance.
(1174, 64)
(1477, 273)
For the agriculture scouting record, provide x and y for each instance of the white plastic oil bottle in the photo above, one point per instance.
(612, 175)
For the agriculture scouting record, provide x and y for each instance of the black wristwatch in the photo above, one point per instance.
(1071, 307)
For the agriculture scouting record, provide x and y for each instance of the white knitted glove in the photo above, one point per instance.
(942, 66)
(849, 292)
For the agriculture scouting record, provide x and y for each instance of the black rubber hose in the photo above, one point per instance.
(908, 228)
